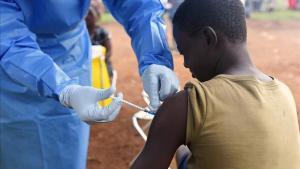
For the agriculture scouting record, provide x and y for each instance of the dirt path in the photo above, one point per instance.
(274, 48)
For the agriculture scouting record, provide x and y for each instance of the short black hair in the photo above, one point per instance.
(226, 16)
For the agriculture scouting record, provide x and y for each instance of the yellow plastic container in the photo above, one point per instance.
(100, 77)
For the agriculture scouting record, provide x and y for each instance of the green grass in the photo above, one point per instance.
(277, 15)
(107, 18)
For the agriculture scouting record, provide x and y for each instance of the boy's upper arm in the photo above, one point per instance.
(166, 134)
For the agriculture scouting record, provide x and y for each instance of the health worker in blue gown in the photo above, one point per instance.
(46, 100)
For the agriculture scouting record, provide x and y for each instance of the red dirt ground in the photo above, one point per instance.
(274, 48)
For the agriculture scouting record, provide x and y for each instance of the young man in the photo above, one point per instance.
(233, 116)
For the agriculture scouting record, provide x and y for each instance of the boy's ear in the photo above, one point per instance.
(210, 35)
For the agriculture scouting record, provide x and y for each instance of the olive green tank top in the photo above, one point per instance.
(238, 122)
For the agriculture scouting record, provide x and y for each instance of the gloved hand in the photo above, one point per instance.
(84, 101)
(159, 83)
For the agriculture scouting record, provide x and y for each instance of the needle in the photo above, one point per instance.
(133, 105)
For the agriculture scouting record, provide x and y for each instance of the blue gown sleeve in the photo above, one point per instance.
(21, 58)
(143, 23)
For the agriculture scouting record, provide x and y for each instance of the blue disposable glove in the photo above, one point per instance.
(159, 83)
(84, 101)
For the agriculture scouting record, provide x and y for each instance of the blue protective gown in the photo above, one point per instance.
(44, 46)
(143, 23)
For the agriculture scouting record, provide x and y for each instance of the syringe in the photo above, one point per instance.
(133, 105)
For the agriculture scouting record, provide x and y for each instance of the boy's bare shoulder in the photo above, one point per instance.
(178, 100)
(174, 107)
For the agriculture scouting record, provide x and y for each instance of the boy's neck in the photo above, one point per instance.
(234, 59)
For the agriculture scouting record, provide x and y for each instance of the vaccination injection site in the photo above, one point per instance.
(149, 84)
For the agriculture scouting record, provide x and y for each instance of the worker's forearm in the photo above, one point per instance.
(143, 23)
(22, 58)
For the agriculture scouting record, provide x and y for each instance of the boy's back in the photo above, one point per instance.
(240, 122)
